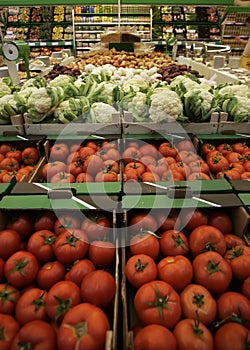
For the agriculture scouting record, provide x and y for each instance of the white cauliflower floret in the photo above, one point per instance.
(204, 95)
(102, 112)
(188, 83)
(89, 68)
(137, 82)
(40, 101)
(27, 91)
(62, 79)
(235, 90)
(138, 106)
(165, 106)
(4, 89)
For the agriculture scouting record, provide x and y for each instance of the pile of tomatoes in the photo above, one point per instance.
(190, 287)
(17, 163)
(56, 282)
(232, 160)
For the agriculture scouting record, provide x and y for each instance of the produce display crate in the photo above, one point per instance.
(245, 198)
(226, 126)
(15, 128)
(63, 204)
(132, 205)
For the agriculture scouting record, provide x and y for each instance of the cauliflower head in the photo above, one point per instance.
(4, 89)
(238, 108)
(62, 79)
(235, 90)
(165, 106)
(102, 112)
(199, 104)
(139, 106)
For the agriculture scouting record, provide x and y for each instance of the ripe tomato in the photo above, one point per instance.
(232, 304)
(106, 176)
(61, 297)
(78, 328)
(59, 151)
(52, 168)
(131, 154)
(246, 287)
(22, 223)
(221, 220)
(149, 150)
(197, 299)
(198, 176)
(102, 253)
(93, 164)
(8, 298)
(232, 336)
(131, 175)
(133, 144)
(247, 166)
(9, 328)
(111, 165)
(98, 287)
(239, 259)
(207, 148)
(96, 226)
(35, 335)
(15, 153)
(45, 221)
(199, 166)
(193, 218)
(191, 334)
(173, 243)
(233, 241)
(150, 177)
(70, 246)
(238, 167)
(234, 157)
(182, 168)
(207, 238)
(225, 148)
(21, 268)
(66, 222)
(168, 221)
(73, 157)
(4, 148)
(172, 175)
(175, 270)
(31, 306)
(9, 243)
(85, 152)
(49, 274)
(186, 157)
(62, 177)
(240, 147)
(157, 168)
(79, 270)
(140, 269)
(168, 160)
(9, 164)
(139, 167)
(30, 156)
(217, 164)
(167, 150)
(185, 145)
(230, 173)
(75, 168)
(156, 302)
(1, 270)
(93, 145)
(145, 243)
(245, 175)
(147, 160)
(75, 147)
(83, 177)
(154, 337)
(111, 153)
(41, 245)
(142, 222)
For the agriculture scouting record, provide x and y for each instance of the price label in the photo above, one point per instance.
(55, 44)
(42, 43)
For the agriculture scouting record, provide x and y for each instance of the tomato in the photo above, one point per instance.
(75, 168)
(61, 297)
(83, 177)
(30, 156)
(8, 298)
(111, 165)
(232, 304)
(41, 245)
(131, 175)
(70, 246)
(247, 166)
(79, 328)
(108, 144)
(157, 168)
(212, 272)
(9, 243)
(96, 226)
(4, 148)
(154, 337)
(21, 268)
(147, 160)
(8, 177)
(49, 274)
(233, 240)
(168, 221)
(207, 148)
(232, 336)
(207, 238)
(150, 177)
(186, 157)
(22, 223)
(140, 269)
(167, 150)
(168, 160)
(73, 157)
(145, 243)
(9, 328)
(195, 298)
(35, 335)
(139, 167)
(66, 222)
(142, 222)
(62, 177)
(1, 270)
(193, 218)
(31, 306)
(133, 144)
(52, 168)
(182, 168)
(110, 154)
(185, 145)
(238, 167)
(172, 175)
(45, 221)
(102, 253)
(245, 175)
(98, 287)
(15, 153)
(217, 164)
(175, 270)
(239, 259)
(213, 154)
(59, 151)
(191, 334)
(156, 302)
(79, 270)
(225, 148)
(9, 164)
(240, 147)
(131, 154)
(246, 287)
(199, 166)
(75, 147)
(93, 164)
(230, 173)
(149, 150)
(235, 157)
(85, 152)
(198, 176)
(106, 176)
(221, 220)
(93, 145)
(173, 243)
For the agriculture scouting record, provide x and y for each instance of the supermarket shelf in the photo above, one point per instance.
(110, 14)
(25, 24)
(88, 31)
(233, 36)
(234, 23)
(87, 40)
(109, 23)
(50, 43)
(111, 2)
(185, 23)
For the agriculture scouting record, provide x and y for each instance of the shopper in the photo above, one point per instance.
(245, 60)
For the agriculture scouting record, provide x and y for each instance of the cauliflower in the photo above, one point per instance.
(62, 79)
(37, 82)
(8, 108)
(106, 94)
(68, 110)
(237, 107)
(27, 92)
(181, 84)
(137, 83)
(165, 106)
(101, 112)
(235, 90)
(4, 89)
(139, 106)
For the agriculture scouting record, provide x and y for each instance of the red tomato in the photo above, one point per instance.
(70, 246)
(66, 222)
(15, 153)
(79, 270)
(182, 168)
(142, 222)
(75, 147)
(131, 154)
(30, 156)
(9, 243)
(52, 168)
(93, 145)
(131, 175)
(197, 299)
(22, 223)
(175, 270)
(61, 297)
(110, 154)
(75, 168)
(139, 167)
(199, 166)
(207, 148)
(172, 175)
(245, 175)
(140, 269)
(232, 336)
(45, 221)
(9, 328)
(79, 328)
(198, 176)
(231, 304)
(37, 334)
(185, 145)
(156, 302)
(73, 157)
(150, 177)
(133, 144)
(145, 243)
(147, 160)
(9, 164)
(238, 167)
(59, 151)
(21, 268)
(4, 148)
(98, 287)
(8, 298)
(217, 164)
(85, 152)
(62, 177)
(41, 245)
(104, 176)
(102, 253)
(168, 160)
(193, 218)
(154, 337)
(1, 270)
(230, 173)
(157, 168)
(239, 259)
(246, 287)
(31, 306)
(93, 164)
(111, 165)
(246, 165)
(49, 274)
(83, 177)
(191, 334)
(207, 238)
(149, 150)
(240, 147)
(234, 157)
(221, 220)
(233, 241)
(186, 157)
(173, 243)
(225, 149)
(96, 226)
(168, 221)
(167, 150)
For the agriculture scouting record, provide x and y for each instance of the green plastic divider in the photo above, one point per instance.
(89, 188)
(245, 198)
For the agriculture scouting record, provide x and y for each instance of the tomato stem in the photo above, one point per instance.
(209, 247)
(19, 266)
(196, 326)
(50, 240)
(160, 303)
(213, 267)
(71, 240)
(233, 317)
(63, 305)
(24, 346)
(6, 295)
(235, 253)
(198, 299)
(2, 337)
(178, 241)
(139, 266)
(38, 302)
(80, 330)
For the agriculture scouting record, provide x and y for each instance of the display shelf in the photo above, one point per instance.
(50, 43)
(110, 23)
(29, 24)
